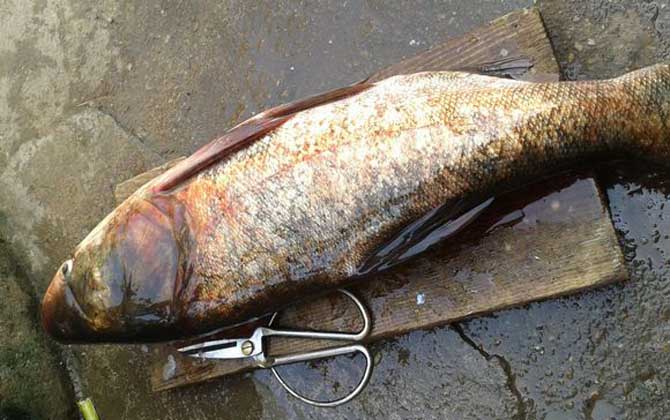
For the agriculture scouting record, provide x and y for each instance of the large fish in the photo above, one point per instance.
(315, 194)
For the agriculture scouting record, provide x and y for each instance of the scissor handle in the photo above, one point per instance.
(321, 335)
(319, 354)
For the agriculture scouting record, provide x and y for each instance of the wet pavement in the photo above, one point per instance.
(92, 93)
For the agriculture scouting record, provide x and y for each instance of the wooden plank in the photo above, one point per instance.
(520, 250)
(518, 34)
(546, 241)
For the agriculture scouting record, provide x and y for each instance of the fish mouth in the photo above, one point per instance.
(62, 317)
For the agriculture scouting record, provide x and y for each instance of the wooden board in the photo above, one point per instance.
(545, 241)
(518, 34)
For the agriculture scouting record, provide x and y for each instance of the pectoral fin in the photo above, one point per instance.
(434, 227)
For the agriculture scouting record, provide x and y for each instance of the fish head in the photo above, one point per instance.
(120, 283)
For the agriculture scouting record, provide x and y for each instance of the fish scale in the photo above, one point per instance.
(533, 117)
(321, 196)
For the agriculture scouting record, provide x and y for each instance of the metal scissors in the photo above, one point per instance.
(254, 347)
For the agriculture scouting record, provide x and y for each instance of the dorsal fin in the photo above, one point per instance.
(246, 133)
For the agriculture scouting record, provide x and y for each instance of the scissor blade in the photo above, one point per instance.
(216, 349)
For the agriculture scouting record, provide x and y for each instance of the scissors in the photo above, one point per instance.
(254, 347)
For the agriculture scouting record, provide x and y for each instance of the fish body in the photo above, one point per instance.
(327, 193)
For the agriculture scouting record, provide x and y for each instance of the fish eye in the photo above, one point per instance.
(66, 268)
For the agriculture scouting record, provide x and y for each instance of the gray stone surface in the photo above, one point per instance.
(56, 188)
(116, 378)
(189, 70)
(59, 156)
(602, 354)
(598, 39)
(92, 93)
(32, 382)
(423, 375)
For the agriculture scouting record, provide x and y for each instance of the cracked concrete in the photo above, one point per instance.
(92, 93)
(426, 374)
(603, 39)
(84, 155)
(603, 353)
(521, 410)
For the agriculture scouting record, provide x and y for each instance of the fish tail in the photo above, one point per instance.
(639, 106)
(648, 87)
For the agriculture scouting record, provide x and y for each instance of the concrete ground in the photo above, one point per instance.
(92, 93)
